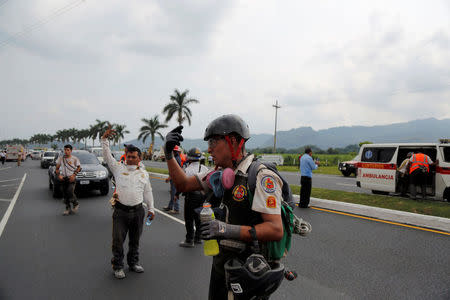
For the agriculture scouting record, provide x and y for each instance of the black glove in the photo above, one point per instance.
(173, 138)
(219, 229)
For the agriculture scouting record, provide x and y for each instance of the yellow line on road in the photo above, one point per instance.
(378, 220)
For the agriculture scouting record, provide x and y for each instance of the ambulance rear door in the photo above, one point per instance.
(377, 169)
(443, 173)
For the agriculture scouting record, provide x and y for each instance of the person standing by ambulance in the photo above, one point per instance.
(307, 165)
(132, 188)
(419, 168)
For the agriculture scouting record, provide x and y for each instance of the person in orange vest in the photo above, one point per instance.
(419, 168)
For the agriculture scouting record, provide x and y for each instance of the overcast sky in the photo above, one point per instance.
(328, 63)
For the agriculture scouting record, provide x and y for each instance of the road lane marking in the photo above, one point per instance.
(379, 220)
(5, 168)
(169, 216)
(10, 180)
(6, 185)
(11, 206)
(5, 200)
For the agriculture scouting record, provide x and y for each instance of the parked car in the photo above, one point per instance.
(159, 155)
(349, 167)
(278, 160)
(47, 158)
(93, 175)
(35, 154)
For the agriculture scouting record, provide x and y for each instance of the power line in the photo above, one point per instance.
(28, 29)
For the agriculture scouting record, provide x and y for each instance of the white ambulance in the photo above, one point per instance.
(13, 152)
(377, 167)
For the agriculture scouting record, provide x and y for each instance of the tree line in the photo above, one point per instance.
(178, 107)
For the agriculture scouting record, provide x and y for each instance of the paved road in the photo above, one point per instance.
(332, 182)
(44, 255)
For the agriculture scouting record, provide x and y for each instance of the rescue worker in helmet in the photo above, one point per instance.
(193, 200)
(248, 217)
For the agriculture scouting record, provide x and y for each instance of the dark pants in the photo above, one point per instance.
(3, 160)
(305, 191)
(418, 178)
(403, 182)
(173, 204)
(192, 201)
(68, 191)
(126, 221)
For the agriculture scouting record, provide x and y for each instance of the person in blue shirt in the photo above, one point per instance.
(307, 165)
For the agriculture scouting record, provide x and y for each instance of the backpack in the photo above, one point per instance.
(276, 250)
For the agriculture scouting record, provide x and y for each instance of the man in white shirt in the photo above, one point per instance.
(133, 189)
(67, 168)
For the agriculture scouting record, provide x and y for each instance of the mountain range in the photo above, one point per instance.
(423, 130)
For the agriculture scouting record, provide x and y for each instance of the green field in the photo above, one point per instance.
(330, 170)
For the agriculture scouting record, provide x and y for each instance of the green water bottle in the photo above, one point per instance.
(210, 247)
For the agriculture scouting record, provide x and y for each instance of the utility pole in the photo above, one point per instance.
(275, 135)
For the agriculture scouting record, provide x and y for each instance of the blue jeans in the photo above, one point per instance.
(175, 205)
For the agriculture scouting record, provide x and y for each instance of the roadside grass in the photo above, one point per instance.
(158, 170)
(328, 170)
(425, 207)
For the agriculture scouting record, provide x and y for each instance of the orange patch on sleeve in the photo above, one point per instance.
(271, 202)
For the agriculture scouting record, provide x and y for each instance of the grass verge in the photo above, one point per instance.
(425, 207)
(328, 170)
(158, 170)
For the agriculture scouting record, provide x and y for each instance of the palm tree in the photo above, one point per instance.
(120, 132)
(179, 105)
(151, 127)
(97, 130)
(84, 134)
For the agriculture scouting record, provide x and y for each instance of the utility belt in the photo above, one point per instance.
(127, 208)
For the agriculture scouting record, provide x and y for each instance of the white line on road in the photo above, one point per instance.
(11, 206)
(167, 215)
(346, 184)
(5, 200)
(10, 179)
(6, 185)
(5, 168)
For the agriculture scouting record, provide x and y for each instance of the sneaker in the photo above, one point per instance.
(75, 208)
(166, 208)
(173, 212)
(66, 212)
(187, 244)
(137, 268)
(198, 241)
(119, 274)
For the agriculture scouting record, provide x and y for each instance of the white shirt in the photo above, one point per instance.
(67, 166)
(195, 167)
(268, 190)
(132, 182)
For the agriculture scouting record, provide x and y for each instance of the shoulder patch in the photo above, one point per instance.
(268, 184)
(271, 202)
(239, 193)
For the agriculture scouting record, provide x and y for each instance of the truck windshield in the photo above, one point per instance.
(446, 153)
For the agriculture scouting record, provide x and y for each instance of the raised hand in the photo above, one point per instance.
(173, 138)
(109, 133)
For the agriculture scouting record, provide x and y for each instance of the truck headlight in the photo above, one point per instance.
(100, 174)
